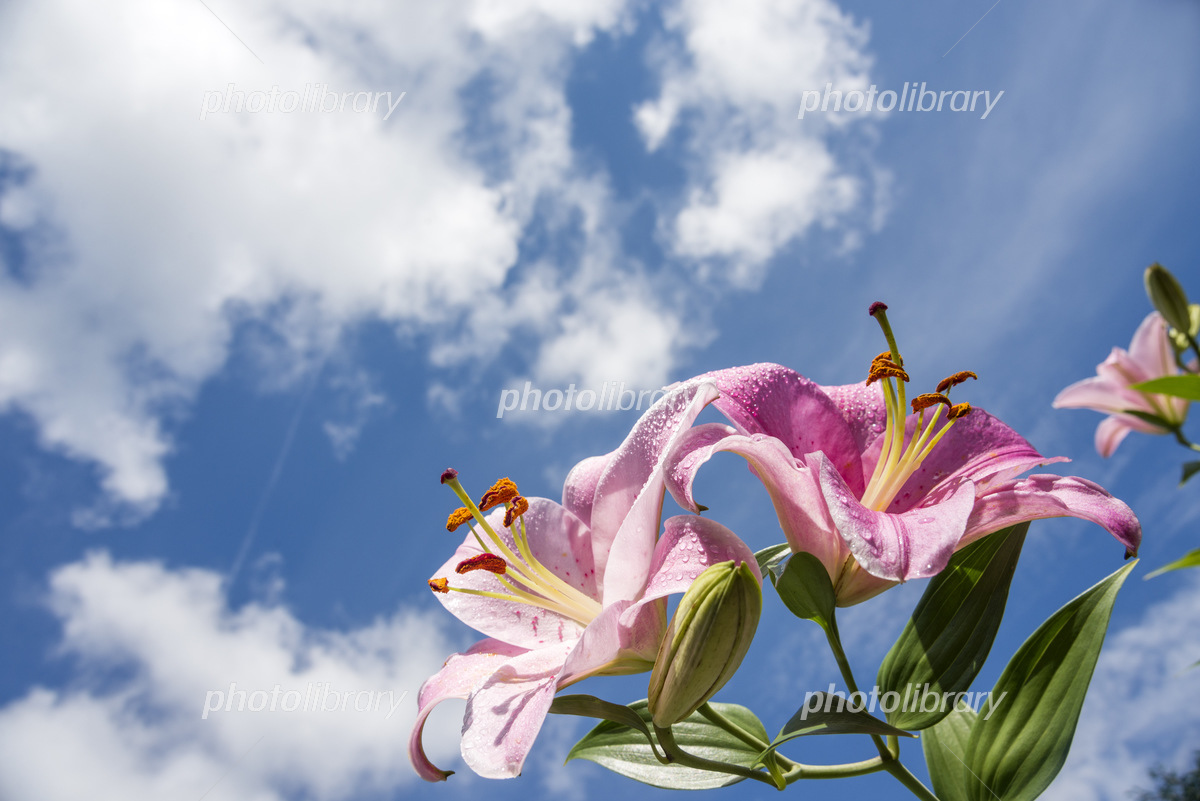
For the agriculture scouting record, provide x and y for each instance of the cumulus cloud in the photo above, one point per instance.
(732, 78)
(157, 642)
(150, 237)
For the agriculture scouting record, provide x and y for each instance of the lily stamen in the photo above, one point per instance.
(545, 589)
(898, 460)
(484, 561)
(954, 380)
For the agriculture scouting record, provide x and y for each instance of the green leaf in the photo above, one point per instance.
(951, 632)
(1189, 469)
(770, 558)
(1179, 386)
(1019, 746)
(589, 706)
(624, 750)
(945, 746)
(806, 589)
(812, 719)
(1190, 559)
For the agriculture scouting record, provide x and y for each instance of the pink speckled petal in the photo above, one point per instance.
(689, 545)
(616, 643)
(505, 714)
(560, 542)
(1042, 496)
(461, 674)
(977, 447)
(792, 486)
(864, 411)
(579, 490)
(779, 402)
(915, 544)
(629, 498)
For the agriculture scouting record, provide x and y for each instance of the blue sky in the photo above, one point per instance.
(236, 352)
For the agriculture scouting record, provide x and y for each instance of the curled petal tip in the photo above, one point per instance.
(449, 474)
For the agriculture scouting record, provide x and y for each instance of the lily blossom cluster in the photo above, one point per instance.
(879, 489)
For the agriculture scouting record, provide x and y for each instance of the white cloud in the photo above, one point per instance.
(759, 178)
(1140, 708)
(153, 237)
(169, 638)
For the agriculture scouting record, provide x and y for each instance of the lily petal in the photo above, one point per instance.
(579, 490)
(688, 546)
(791, 484)
(615, 643)
(977, 447)
(461, 673)
(917, 543)
(628, 505)
(774, 400)
(506, 712)
(1042, 496)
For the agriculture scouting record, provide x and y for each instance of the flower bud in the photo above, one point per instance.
(705, 642)
(1168, 297)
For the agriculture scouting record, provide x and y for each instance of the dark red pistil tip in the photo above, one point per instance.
(449, 474)
(877, 306)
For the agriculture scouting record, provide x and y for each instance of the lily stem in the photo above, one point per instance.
(680, 757)
(839, 654)
(1184, 441)
(910, 781)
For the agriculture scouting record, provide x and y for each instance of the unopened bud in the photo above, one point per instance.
(1168, 297)
(706, 641)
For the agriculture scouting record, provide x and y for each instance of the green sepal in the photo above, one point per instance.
(1177, 386)
(1190, 559)
(818, 721)
(1017, 749)
(1152, 419)
(945, 746)
(770, 559)
(951, 631)
(807, 591)
(624, 750)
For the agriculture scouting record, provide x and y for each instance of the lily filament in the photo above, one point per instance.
(898, 459)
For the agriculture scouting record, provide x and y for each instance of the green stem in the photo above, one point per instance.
(910, 781)
(728, 725)
(846, 771)
(835, 645)
(1184, 441)
(680, 757)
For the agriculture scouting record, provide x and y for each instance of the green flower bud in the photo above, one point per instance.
(705, 642)
(1168, 297)
(1180, 338)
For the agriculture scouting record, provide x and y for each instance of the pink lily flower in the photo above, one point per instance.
(1150, 355)
(879, 496)
(564, 592)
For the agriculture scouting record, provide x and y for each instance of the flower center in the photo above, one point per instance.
(520, 577)
(900, 455)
